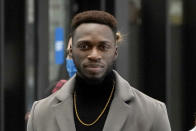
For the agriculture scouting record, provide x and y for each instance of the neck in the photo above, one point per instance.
(95, 91)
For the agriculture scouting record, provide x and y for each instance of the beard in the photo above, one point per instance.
(96, 80)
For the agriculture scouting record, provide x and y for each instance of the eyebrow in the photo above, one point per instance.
(103, 41)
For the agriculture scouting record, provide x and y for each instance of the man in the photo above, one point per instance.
(97, 98)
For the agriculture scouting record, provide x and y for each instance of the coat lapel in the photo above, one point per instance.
(64, 115)
(119, 110)
(63, 108)
(117, 116)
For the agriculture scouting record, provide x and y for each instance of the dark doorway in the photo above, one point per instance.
(14, 65)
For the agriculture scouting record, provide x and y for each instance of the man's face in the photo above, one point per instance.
(94, 50)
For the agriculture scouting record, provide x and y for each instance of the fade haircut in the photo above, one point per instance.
(94, 16)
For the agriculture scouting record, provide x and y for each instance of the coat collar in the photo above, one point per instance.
(123, 89)
(118, 110)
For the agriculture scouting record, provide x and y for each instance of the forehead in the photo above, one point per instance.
(93, 29)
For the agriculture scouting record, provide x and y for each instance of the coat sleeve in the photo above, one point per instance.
(161, 120)
(31, 121)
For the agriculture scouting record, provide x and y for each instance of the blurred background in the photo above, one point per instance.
(157, 55)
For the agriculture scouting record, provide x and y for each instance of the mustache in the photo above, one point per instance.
(94, 65)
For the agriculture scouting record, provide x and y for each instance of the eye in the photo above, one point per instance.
(104, 46)
(83, 46)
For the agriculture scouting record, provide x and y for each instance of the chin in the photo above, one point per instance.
(94, 79)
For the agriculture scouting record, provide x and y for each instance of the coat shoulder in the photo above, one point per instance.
(145, 99)
(151, 111)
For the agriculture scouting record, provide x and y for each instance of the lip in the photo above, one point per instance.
(94, 67)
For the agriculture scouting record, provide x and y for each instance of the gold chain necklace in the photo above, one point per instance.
(90, 124)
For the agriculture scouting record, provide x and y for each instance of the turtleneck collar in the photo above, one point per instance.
(97, 91)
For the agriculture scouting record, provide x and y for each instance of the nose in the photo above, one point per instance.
(94, 55)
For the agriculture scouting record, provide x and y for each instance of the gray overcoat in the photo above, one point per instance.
(130, 110)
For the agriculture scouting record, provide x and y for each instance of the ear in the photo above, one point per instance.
(116, 53)
(69, 44)
(70, 51)
(69, 48)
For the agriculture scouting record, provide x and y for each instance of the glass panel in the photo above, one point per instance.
(58, 18)
(175, 12)
(135, 11)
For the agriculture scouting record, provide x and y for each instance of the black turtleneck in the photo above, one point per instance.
(91, 100)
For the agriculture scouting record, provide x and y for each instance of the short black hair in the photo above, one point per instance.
(94, 16)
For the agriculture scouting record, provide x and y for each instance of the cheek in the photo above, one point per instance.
(111, 56)
(77, 57)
